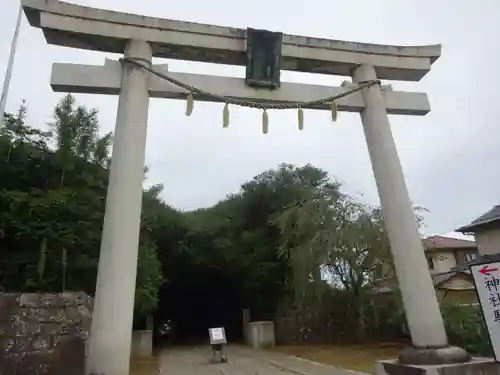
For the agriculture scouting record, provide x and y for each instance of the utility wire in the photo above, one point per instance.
(10, 65)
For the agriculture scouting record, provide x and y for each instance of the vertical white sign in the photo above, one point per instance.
(487, 279)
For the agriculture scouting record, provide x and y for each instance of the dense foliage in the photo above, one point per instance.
(465, 327)
(52, 196)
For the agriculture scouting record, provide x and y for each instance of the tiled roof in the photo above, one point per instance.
(485, 258)
(440, 278)
(437, 279)
(489, 217)
(440, 242)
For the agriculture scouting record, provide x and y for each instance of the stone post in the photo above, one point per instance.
(245, 321)
(111, 331)
(419, 297)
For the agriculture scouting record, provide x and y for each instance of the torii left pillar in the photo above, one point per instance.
(111, 331)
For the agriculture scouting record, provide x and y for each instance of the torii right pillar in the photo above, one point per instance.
(429, 339)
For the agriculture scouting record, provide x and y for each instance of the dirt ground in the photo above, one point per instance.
(352, 357)
(359, 358)
(146, 366)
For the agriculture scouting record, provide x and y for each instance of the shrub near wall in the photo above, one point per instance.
(465, 327)
(332, 321)
(31, 326)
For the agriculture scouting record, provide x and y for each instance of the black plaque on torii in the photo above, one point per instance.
(263, 58)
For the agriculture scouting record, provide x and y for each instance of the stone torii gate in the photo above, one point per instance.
(140, 38)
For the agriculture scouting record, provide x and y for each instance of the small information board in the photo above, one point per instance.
(487, 279)
(217, 336)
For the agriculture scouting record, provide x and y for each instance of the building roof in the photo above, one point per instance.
(437, 279)
(481, 259)
(440, 278)
(442, 243)
(489, 217)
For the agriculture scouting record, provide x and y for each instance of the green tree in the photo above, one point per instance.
(52, 198)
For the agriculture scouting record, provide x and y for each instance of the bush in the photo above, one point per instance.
(465, 328)
(148, 281)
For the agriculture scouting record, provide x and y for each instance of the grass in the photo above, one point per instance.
(144, 366)
(352, 357)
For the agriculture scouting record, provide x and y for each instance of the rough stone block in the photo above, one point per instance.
(9, 304)
(42, 314)
(81, 298)
(50, 300)
(8, 329)
(8, 364)
(84, 311)
(7, 345)
(34, 314)
(72, 314)
(22, 344)
(49, 328)
(25, 328)
(29, 300)
(35, 363)
(39, 343)
(33, 325)
(68, 357)
(67, 299)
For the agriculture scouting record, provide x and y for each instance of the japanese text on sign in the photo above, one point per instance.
(492, 283)
(487, 280)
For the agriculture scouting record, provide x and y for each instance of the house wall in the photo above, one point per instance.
(443, 261)
(461, 254)
(488, 241)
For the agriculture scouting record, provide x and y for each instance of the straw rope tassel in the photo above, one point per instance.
(265, 122)
(189, 104)
(300, 118)
(225, 116)
(334, 110)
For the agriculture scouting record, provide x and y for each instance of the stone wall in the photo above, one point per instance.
(32, 326)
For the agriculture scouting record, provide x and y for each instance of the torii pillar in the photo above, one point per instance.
(112, 316)
(143, 37)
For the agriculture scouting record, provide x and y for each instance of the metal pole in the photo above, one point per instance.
(8, 73)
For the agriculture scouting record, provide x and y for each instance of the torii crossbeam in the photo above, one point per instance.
(93, 79)
(141, 37)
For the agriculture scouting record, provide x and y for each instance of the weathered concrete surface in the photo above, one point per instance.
(142, 343)
(242, 360)
(108, 31)
(261, 335)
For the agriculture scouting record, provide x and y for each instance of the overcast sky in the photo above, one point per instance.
(450, 157)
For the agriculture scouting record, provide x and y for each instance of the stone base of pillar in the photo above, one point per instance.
(433, 356)
(476, 365)
(142, 343)
(261, 335)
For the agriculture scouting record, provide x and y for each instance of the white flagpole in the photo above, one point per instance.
(8, 72)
